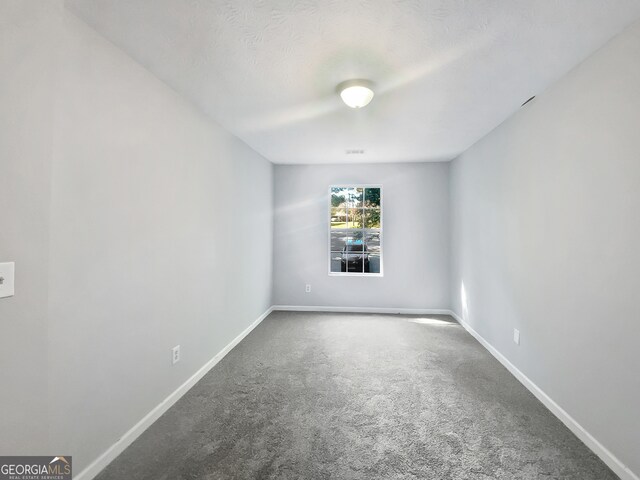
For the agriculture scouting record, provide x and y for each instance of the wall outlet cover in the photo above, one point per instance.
(307, 288)
(175, 354)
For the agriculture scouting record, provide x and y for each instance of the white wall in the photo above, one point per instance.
(416, 237)
(545, 233)
(26, 85)
(137, 224)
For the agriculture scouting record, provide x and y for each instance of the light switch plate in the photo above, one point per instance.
(516, 336)
(7, 272)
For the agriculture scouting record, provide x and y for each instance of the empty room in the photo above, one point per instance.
(319, 239)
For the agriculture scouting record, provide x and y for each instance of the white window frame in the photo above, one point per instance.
(328, 217)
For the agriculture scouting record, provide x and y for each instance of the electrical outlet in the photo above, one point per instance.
(307, 288)
(516, 336)
(175, 354)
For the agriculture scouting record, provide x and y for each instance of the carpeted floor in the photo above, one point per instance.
(356, 396)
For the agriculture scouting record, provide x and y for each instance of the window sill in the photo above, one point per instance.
(348, 274)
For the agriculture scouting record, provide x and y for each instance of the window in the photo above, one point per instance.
(355, 230)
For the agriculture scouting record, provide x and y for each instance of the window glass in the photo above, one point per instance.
(355, 238)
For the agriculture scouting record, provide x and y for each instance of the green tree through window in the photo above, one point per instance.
(356, 230)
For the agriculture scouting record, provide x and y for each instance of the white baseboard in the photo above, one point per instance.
(589, 440)
(128, 438)
(392, 310)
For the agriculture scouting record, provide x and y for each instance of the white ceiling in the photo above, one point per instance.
(447, 71)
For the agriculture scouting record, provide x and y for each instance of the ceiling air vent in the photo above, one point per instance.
(353, 151)
(528, 101)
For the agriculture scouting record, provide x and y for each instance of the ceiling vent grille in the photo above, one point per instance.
(528, 101)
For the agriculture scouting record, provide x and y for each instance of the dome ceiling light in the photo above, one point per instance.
(356, 93)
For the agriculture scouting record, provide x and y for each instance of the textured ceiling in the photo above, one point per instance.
(447, 71)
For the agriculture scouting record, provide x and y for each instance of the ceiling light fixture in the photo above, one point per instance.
(356, 93)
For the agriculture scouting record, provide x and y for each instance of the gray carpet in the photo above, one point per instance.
(355, 396)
